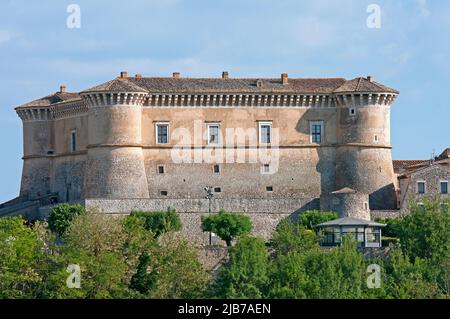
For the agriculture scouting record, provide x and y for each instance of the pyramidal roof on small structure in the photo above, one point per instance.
(362, 84)
(350, 221)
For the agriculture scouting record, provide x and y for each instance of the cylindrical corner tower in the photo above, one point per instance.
(115, 163)
(37, 145)
(363, 155)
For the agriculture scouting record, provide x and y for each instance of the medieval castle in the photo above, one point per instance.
(151, 143)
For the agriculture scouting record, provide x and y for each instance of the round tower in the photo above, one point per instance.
(37, 149)
(363, 155)
(115, 163)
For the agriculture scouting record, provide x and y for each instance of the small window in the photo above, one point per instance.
(73, 141)
(376, 139)
(269, 188)
(217, 168)
(217, 190)
(162, 133)
(160, 169)
(265, 132)
(316, 131)
(352, 111)
(266, 168)
(213, 134)
(366, 206)
(163, 193)
(444, 187)
(421, 187)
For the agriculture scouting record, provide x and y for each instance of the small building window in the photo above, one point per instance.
(421, 187)
(366, 206)
(216, 168)
(269, 188)
(316, 130)
(265, 169)
(217, 190)
(163, 193)
(162, 133)
(213, 134)
(444, 187)
(352, 111)
(376, 139)
(73, 141)
(160, 169)
(265, 132)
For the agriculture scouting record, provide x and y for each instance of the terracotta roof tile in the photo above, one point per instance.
(52, 99)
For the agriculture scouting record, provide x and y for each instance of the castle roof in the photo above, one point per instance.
(53, 98)
(364, 85)
(116, 85)
(176, 84)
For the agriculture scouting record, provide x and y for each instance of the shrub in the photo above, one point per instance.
(62, 215)
(393, 226)
(159, 222)
(226, 225)
(311, 218)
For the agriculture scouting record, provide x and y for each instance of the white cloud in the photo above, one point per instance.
(423, 8)
(5, 36)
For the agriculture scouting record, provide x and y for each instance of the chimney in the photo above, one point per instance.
(62, 88)
(123, 74)
(138, 76)
(224, 75)
(370, 78)
(176, 75)
(284, 78)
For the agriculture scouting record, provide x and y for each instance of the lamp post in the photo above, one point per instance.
(209, 196)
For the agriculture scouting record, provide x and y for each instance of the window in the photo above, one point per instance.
(376, 139)
(217, 168)
(160, 169)
(444, 187)
(217, 190)
(366, 206)
(352, 111)
(421, 187)
(269, 188)
(73, 141)
(162, 133)
(213, 134)
(316, 129)
(163, 193)
(266, 169)
(265, 132)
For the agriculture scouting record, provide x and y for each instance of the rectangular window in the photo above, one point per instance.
(269, 188)
(73, 141)
(213, 134)
(421, 187)
(316, 131)
(265, 132)
(266, 168)
(217, 190)
(162, 133)
(444, 187)
(160, 169)
(163, 193)
(217, 169)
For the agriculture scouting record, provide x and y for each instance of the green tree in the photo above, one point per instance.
(178, 272)
(290, 236)
(311, 218)
(245, 275)
(425, 234)
(159, 222)
(227, 226)
(62, 215)
(21, 255)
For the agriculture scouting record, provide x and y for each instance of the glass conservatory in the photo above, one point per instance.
(366, 233)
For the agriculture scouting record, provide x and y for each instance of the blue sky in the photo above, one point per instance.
(317, 38)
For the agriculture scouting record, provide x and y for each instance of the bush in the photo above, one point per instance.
(386, 241)
(226, 225)
(159, 222)
(311, 218)
(62, 215)
(393, 226)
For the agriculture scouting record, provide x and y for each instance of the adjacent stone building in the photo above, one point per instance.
(270, 147)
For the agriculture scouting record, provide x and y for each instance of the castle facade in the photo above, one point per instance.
(265, 146)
